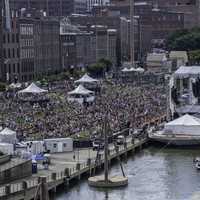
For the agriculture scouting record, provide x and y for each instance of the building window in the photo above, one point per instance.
(13, 53)
(54, 145)
(9, 68)
(17, 38)
(8, 38)
(4, 38)
(18, 68)
(18, 53)
(13, 38)
(13, 68)
(8, 53)
(4, 53)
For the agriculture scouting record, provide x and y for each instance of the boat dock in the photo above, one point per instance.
(66, 167)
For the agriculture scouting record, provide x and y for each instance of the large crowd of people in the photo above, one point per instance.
(123, 103)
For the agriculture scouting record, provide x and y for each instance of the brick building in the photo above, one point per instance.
(190, 8)
(51, 7)
(30, 48)
(85, 45)
(1, 42)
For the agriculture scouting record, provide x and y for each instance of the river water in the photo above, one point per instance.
(153, 173)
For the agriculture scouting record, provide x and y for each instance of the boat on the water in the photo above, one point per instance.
(183, 131)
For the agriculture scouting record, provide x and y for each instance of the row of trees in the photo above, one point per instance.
(99, 68)
(186, 40)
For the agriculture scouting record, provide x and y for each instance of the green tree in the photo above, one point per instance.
(184, 40)
(2, 87)
(96, 69)
(107, 63)
(194, 56)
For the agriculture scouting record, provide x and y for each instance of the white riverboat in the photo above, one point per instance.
(181, 132)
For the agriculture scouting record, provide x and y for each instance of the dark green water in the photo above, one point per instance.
(154, 174)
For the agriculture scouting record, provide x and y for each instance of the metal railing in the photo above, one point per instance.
(60, 175)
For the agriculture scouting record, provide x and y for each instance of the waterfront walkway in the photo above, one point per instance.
(65, 167)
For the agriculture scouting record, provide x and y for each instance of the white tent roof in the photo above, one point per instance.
(81, 90)
(15, 85)
(125, 69)
(139, 69)
(86, 79)
(186, 120)
(187, 71)
(187, 125)
(32, 88)
(132, 69)
(7, 131)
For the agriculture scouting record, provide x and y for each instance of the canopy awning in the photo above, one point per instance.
(80, 90)
(185, 120)
(189, 109)
(7, 131)
(187, 71)
(15, 85)
(139, 69)
(186, 124)
(86, 79)
(34, 89)
(125, 70)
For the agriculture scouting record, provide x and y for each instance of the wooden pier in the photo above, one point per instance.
(25, 189)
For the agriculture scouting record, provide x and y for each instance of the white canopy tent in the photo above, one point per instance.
(139, 69)
(15, 85)
(186, 125)
(80, 90)
(86, 79)
(8, 136)
(132, 69)
(187, 71)
(125, 69)
(80, 94)
(32, 89)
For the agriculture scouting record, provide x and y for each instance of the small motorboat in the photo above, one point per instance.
(197, 165)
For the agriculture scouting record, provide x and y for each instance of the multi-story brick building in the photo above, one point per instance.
(51, 7)
(92, 3)
(83, 47)
(11, 53)
(30, 48)
(1, 41)
(190, 8)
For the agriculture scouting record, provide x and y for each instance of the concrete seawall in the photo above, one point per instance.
(25, 189)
